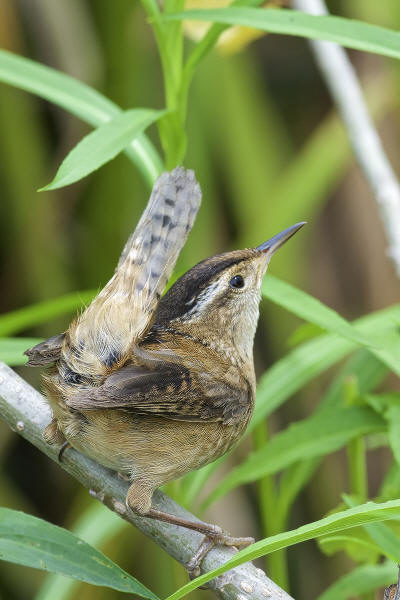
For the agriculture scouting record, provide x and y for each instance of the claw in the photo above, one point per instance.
(193, 566)
(213, 537)
(62, 450)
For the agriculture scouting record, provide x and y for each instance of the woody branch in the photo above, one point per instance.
(27, 413)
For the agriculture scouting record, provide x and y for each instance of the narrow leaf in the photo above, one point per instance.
(347, 32)
(381, 534)
(193, 483)
(387, 541)
(369, 372)
(365, 513)
(80, 100)
(364, 368)
(393, 417)
(291, 482)
(358, 548)
(29, 541)
(390, 486)
(12, 350)
(304, 363)
(102, 145)
(97, 526)
(43, 312)
(315, 436)
(361, 580)
(312, 310)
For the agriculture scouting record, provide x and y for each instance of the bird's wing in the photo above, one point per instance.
(46, 352)
(170, 391)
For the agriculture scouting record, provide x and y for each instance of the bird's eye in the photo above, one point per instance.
(237, 281)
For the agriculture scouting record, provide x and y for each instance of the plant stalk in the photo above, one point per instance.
(356, 451)
(276, 562)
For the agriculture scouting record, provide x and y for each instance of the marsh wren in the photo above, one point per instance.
(155, 387)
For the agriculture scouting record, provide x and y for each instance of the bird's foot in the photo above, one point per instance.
(215, 536)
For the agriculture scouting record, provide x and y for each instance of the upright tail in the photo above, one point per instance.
(101, 338)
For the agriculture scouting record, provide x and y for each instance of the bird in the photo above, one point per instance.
(154, 386)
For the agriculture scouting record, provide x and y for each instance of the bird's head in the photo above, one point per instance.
(218, 299)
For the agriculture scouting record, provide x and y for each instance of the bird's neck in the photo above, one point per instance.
(231, 341)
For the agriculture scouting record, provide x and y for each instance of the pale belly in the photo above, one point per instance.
(155, 449)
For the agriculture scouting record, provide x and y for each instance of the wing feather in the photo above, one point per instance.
(169, 391)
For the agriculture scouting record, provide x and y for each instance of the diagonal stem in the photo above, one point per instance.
(344, 86)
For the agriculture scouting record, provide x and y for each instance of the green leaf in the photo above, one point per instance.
(97, 525)
(78, 99)
(361, 580)
(386, 539)
(347, 32)
(29, 541)
(382, 403)
(303, 333)
(208, 41)
(362, 367)
(389, 406)
(193, 483)
(393, 417)
(365, 513)
(381, 534)
(12, 350)
(292, 372)
(369, 373)
(390, 487)
(359, 549)
(316, 436)
(292, 481)
(298, 367)
(102, 145)
(43, 312)
(312, 310)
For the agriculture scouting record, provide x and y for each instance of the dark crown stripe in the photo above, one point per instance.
(175, 302)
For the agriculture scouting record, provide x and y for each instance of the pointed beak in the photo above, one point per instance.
(270, 246)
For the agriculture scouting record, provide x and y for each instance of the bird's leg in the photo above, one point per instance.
(213, 535)
(52, 434)
(138, 499)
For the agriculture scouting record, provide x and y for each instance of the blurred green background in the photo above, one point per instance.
(268, 151)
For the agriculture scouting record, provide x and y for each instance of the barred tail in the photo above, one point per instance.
(101, 338)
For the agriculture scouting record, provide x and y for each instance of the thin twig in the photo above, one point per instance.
(27, 413)
(344, 86)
